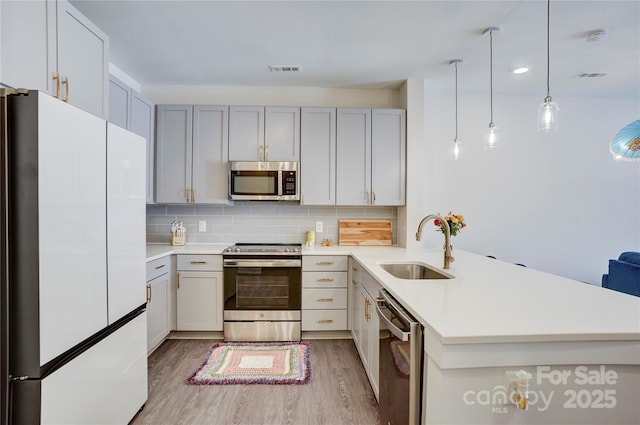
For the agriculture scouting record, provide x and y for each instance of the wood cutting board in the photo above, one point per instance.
(364, 232)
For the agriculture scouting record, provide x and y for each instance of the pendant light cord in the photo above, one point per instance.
(491, 74)
(456, 85)
(548, 27)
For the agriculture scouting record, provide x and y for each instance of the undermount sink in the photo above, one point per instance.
(413, 271)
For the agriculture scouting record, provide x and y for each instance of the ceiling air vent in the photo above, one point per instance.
(590, 74)
(285, 68)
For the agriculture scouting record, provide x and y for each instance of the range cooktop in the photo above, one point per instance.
(263, 249)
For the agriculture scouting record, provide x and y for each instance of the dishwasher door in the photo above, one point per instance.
(400, 346)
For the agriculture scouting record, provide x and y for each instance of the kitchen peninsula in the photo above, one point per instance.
(581, 343)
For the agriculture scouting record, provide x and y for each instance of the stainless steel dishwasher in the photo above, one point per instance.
(401, 354)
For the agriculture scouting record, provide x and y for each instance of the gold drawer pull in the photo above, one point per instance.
(321, 300)
(324, 279)
(324, 321)
(324, 263)
(148, 293)
(198, 262)
(160, 266)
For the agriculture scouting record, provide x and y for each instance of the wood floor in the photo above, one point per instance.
(338, 394)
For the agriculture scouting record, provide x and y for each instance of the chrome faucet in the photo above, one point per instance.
(448, 258)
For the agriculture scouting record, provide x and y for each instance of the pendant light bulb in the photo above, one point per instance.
(491, 141)
(548, 111)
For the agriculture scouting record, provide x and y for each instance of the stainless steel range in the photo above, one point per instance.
(262, 292)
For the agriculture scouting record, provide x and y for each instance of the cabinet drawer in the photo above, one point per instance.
(316, 263)
(200, 262)
(324, 320)
(324, 298)
(324, 279)
(158, 267)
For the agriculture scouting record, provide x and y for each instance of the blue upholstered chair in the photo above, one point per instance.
(624, 274)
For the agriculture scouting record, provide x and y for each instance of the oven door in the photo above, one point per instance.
(262, 284)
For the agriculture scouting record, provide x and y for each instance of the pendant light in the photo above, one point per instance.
(456, 141)
(491, 141)
(548, 111)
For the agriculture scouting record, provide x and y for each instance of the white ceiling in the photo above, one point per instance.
(374, 43)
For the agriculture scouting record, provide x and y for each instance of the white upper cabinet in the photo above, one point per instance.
(51, 46)
(257, 133)
(388, 156)
(191, 165)
(318, 156)
(354, 156)
(119, 103)
(371, 157)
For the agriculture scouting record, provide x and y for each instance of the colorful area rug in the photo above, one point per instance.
(254, 363)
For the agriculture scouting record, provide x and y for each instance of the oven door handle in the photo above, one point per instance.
(262, 263)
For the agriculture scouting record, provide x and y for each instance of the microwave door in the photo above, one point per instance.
(261, 183)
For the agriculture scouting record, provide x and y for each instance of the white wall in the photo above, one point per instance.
(272, 96)
(555, 202)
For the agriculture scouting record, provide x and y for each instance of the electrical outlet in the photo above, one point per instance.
(319, 227)
(202, 226)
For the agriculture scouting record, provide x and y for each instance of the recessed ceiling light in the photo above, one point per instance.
(520, 70)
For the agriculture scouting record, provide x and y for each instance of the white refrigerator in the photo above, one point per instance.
(72, 265)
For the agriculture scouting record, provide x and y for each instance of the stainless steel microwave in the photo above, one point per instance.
(264, 181)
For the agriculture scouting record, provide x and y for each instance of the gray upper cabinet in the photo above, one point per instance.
(119, 102)
(191, 152)
(354, 156)
(371, 157)
(130, 110)
(318, 156)
(246, 133)
(142, 122)
(282, 134)
(388, 156)
(51, 46)
(257, 133)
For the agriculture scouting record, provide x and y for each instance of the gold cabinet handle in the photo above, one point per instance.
(56, 78)
(260, 158)
(324, 321)
(178, 280)
(148, 293)
(324, 279)
(193, 195)
(324, 263)
(187, 192)
(324, 300)
(302, 196)
(373, 198)
(198, 262)
(266, 152)
(367, 315)
(65, 81)
(160, 266)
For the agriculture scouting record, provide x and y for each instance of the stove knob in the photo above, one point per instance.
(296, 249)
(238, 249)
(287, 250)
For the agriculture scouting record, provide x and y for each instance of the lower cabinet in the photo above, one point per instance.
(158, 302)
(324, 293)
(365, 325)
(199, 293)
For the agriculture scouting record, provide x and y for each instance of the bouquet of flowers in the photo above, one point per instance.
(456, 223)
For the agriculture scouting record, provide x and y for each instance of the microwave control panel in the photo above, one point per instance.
(288, 182)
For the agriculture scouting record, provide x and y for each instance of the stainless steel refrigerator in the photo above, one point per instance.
(72, 210)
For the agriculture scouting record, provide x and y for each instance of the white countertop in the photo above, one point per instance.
(491, 302)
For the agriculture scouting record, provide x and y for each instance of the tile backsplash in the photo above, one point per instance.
(250, 221)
